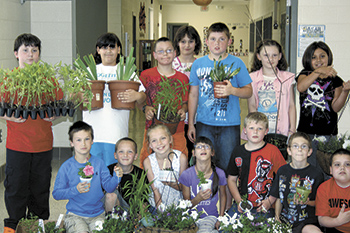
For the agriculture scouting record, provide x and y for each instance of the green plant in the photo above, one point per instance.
(201, 178)
(333, 143)
(126, 70)
(32, 225)
(90, 61)
(87, 171)
(220, 72)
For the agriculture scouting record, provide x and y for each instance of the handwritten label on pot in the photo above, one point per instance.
(98, 97)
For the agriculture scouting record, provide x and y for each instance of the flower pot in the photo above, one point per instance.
(117, 86)
(25, 113)
(10, 110)
(167, 176)
(42, 112)
(18, 112)
(206, 185)
(97, 88)
(49, 111)
(192, 229)
(87, 180)
(3, 108)
(172, 126)
(246, 205)
(33, 113)
(303, 193)
(323, 159)
(71, 112)
(215, 94)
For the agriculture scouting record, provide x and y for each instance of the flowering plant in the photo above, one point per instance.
(87, 171)
(333, 144)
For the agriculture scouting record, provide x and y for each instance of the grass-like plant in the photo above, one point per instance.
(126, 67)
(220, 72)
(90, 63)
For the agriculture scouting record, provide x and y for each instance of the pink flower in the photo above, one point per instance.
(88, 170)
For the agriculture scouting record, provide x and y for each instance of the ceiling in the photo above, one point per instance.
(214, 1)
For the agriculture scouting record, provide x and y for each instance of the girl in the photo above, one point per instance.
(187, 43)
(273, 88)
(205, 200)
(160, 140)
(115, 122)
(322, 94)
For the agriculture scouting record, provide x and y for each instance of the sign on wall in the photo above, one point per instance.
(308, 34)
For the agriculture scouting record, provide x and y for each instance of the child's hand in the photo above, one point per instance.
(204, 194)
(343, 216)
(118, 170)
(263, 206)
(325, 72)
(346, 86)
(182, 114)
(128, 96)
(224, 90)
(217, 225)
(50, 118)
(149, 112)
(83, 187)
(14, 119)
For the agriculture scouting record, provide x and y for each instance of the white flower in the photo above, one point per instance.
(194, 214)
(115, 216)
(99, 225)
(320, 139)
(249, 216)
(225, 220)
(125, 214)
(182, 204)
(162, 207)
(346, 144)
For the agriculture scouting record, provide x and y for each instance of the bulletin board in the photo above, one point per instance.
(308, 34)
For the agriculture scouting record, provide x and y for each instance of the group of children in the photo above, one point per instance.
(255, 169)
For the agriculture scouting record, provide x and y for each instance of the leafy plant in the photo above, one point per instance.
(333, 143)
(87, 171)
(126, 70)
(31, 225)
(201, 178)
(245, 204)
(90, 61)
(220, 72)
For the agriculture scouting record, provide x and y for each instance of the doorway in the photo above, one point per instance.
(172, 29)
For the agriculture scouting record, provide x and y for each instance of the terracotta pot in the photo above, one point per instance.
(117, 86)
(97, 88)
(172, 126)
(215, 95)
(323, 159)
(192, 229)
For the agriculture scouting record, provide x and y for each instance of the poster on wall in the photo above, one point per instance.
(309, 34)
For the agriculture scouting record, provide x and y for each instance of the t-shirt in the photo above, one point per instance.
(329, 200)
(215, 111)
(290, 183)
(189, 179)
(316, 112)
(255, 170)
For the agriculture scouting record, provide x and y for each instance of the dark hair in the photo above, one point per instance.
(192, 34)
(128, 140)
(310, 50)
(27, 39)
(282, 63)
(340, 151)
(79, 126)
(105, 40)
(300, 135)
(219, 27)
(162, 39)
(205, 140)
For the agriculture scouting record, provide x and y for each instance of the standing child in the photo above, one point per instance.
(293, 182)
(164, 53)
(254, 164)
(163, 158)
(322, 94)
(110, 124)
(84, 207)
(273, 88)
(205, 200)
(332, 200)
(187, 43)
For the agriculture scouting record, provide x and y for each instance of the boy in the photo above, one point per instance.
(253, 164)
(29, 142)
(287, 187)
(84, 207)
(333, 199)
(164, 53)
(126, 154)
(217, 119)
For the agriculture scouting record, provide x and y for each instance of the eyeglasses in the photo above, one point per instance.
(165, 51)
(297, 147)
(199, 147)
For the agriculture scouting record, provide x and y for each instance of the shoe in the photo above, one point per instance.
(9, 230)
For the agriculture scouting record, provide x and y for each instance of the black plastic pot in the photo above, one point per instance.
(25, 113)
(42, 112)
(10, 110)
(33, 113)
(18, 112)
(49, 111)
(71, 112)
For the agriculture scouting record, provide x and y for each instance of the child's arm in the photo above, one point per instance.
(305, 81)
(266, 204)
(12, 118)
(232, 186)
(342, 218)
(241, 92)
(340, 95)
(222, 198)
(292, 112)
(150, 176)
(278, 209)
(251, 104)
(192, 109)
(201, 195)
(131, 96)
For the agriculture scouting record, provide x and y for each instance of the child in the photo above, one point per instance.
(253, 164)
(164, 53)
(292, 177)
(187, 43)
(84, 207)
(126, 154)
(160, 140)
(217, 119)
(322, 94)
(272, 83)
(115, 123)
(332, 200)
(205, 200)
(28, 142)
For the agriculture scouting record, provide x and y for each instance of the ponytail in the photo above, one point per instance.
(215, 184)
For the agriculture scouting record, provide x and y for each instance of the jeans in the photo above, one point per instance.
(224, 139)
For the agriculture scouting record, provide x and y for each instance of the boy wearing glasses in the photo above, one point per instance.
(164, 53)
(295, 187)
(253, 164)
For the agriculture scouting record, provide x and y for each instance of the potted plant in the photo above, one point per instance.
(126, 79)
(35, 225)
(86, 173)
(245, 205)
(204, 184)
(220, 72)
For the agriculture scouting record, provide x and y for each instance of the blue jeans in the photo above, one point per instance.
(224, 138)
(234, 209)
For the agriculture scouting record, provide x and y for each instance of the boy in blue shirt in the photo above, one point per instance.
(84, 205)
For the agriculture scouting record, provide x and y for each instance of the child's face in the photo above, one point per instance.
(125, 153)
(340, 169)
(82, 142)
(269, 52)
(159, 141)
(255, 131)
(202, 152)
(218, 43)
(108, 55)
(187, 46)
(164, 53)
(299, 150)
(27, 55)
(319, 59)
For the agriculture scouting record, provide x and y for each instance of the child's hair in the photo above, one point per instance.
(162, 39)
(204, 140)
(27, 39)
(340, 151)
(105, 40)
(282, 63)
(78, 126)
(219, 27)
(256, 117)
(192, 34)
(158, 126)
(310, 50)
(126, 139)
(300, 135)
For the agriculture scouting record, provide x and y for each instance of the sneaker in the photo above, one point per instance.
(9, 230)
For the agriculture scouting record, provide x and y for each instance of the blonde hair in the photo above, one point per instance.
(159, 126)
(256, 117)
